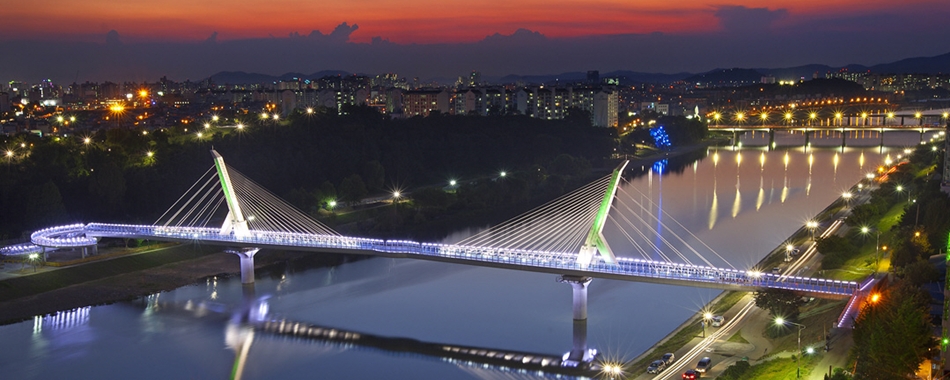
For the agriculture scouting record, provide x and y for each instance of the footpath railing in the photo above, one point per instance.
(79, 235)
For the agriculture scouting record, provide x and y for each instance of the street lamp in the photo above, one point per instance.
(706, 317)
(798, 358)
(812, 226)
(788, 252)
(33, 257)
(877, 243)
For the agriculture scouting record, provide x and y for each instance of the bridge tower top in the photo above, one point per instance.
(235, 221)
(595, 242)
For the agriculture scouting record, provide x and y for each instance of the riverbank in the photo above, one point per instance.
(130, 277)
(757, 346)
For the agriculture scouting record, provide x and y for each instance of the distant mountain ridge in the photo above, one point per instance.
(939, 64)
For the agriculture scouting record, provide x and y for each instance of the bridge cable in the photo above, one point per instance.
(684, 229)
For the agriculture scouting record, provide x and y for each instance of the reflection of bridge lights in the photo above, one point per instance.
(62, 320)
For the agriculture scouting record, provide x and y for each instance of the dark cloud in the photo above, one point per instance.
(740, 20)
(340, 34)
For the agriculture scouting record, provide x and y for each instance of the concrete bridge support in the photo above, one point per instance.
(579, 287)
(247, 263)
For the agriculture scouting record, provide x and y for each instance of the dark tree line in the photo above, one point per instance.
(305, 159)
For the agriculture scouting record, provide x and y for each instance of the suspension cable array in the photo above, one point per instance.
(560, 225)
(644, 228)
(201, 205)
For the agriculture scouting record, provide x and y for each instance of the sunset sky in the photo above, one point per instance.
(740, 33)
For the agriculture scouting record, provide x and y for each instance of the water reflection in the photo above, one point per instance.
(251, 320)
(456, 305)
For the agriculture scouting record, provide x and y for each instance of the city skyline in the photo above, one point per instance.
(183, 41)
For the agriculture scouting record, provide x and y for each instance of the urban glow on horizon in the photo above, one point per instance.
(425, 21)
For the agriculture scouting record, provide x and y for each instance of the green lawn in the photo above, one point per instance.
(859, 267)
(781, 368)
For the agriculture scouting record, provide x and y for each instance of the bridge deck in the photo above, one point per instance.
(540, 261)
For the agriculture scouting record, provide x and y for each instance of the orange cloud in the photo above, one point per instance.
(402, 21)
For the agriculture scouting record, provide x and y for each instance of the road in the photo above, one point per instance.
(746, 315)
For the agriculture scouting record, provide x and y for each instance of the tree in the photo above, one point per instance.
(374, 174)
(736, 371)
(779, 302)
(352, 189)
(893, 336)
(836, 251)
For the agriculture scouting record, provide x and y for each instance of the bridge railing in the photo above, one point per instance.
(507, 256)
(68, 236)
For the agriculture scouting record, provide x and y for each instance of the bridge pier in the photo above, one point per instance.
(247, 263)
(579, 346)
(579, 287)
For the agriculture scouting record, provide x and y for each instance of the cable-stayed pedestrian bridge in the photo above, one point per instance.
(631, 269)
(564, 236)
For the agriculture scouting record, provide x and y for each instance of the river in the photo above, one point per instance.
(741, 203)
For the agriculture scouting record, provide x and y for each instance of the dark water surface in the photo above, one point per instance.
(741, 204)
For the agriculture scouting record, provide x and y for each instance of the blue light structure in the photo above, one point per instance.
(660, 138)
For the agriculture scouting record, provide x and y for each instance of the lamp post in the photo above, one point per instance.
(877, 244)
(33, 257)
(812, 226)
(706, 317)
(798, 358)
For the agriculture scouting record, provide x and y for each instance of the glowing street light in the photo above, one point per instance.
(707, 316)
(798, 358)
(86, 140)
(503, 174)
(877, 243)
(33, 257)
(452, 183)
(740, 116)
(309, 110)
(150, 154)
(788, 117)
(215, 118)
(264, 116)
(812, 226)
(332, 204)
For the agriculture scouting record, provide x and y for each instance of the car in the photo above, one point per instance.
(691, 375)
(656, 367)
(718, 320)
(704, 365)
(668, 358)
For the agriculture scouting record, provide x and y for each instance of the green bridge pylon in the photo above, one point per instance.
(595, 238)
